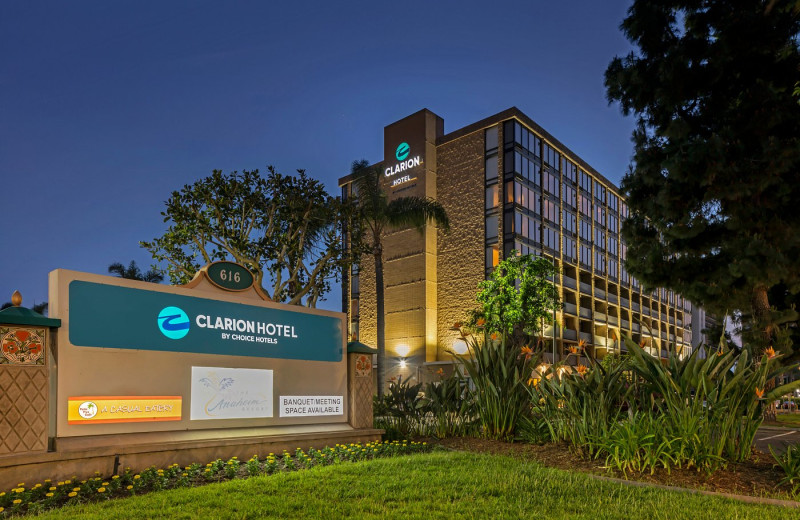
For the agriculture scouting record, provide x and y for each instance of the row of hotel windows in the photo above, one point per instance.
(539, 204)
(533, 160)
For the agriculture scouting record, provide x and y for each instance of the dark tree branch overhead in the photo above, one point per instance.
(715, 181)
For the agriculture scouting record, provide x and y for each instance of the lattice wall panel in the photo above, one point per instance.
(23, 409)
(359, 380)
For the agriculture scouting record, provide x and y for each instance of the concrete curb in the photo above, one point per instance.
(741, 498)
(779, 428)
(636, 483)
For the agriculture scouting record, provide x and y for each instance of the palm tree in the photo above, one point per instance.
(132, 272)
(376, 214)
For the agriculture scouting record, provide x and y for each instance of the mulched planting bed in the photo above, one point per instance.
(756, 477)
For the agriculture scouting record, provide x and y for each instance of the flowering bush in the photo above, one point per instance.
(49, 495)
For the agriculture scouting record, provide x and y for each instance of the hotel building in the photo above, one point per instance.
(506, 184)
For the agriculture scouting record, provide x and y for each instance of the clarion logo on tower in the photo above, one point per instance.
(406, 163)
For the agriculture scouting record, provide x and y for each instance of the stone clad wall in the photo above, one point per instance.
(461, 255)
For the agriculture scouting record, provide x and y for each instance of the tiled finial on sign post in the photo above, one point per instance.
(16, 299)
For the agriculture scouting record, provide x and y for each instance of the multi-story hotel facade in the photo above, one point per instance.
(506, 184)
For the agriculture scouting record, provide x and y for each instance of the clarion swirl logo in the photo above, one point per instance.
(173, 322)
(402, 151)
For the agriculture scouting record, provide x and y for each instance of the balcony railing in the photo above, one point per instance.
(585, 313)
(570, 334)
(571, 308)
(612, 298)
(625, 303)
(585, 287)
(569, 282)
(635, 306)
(613, 320)
(599, 293)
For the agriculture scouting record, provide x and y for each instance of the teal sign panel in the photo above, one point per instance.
(120, 317)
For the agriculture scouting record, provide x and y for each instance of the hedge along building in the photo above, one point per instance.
(506, 184)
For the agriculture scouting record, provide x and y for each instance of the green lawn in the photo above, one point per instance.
(436, 485)
(789, 419)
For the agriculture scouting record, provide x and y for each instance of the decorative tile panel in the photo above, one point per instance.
(22, 346)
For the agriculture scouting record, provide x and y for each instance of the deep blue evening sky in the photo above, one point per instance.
(106, 107)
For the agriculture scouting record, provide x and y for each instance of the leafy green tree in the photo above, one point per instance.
(284, 229)
(713, 189)
(376, 214)
(132, 272)
(518, 298)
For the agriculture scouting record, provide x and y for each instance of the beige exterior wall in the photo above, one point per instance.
(461, 252)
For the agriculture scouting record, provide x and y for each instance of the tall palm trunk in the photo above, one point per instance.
(761, 317)
(381, 318)
(762, 322)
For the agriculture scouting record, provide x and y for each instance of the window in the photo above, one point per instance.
(586, 182)
(599, 191)
(491, 139)
(492, 256)
(550, 210)
(569, 249)
(570, 222)
(612, 268)
(585, 204)
(492, 196)
(586, 231)
(599, 238)
(612, 223)
(599, 262)
(600, 214)
(491, 227)
(508, 132)
(570, 171)
(612, 201)
(586, 255)
(527, 226)
(491, 168)
(550, 182)
(612, 245)
(551, 157)
(524, 196)
(550, 236)
(570, 196)
(354, 285)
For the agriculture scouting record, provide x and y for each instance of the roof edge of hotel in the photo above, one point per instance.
(506, 114)
(511, 113)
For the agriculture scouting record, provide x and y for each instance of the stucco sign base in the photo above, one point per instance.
(81, 457)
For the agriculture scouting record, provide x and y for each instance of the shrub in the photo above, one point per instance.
(498, 373)
(447, 407)
(789, 462)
